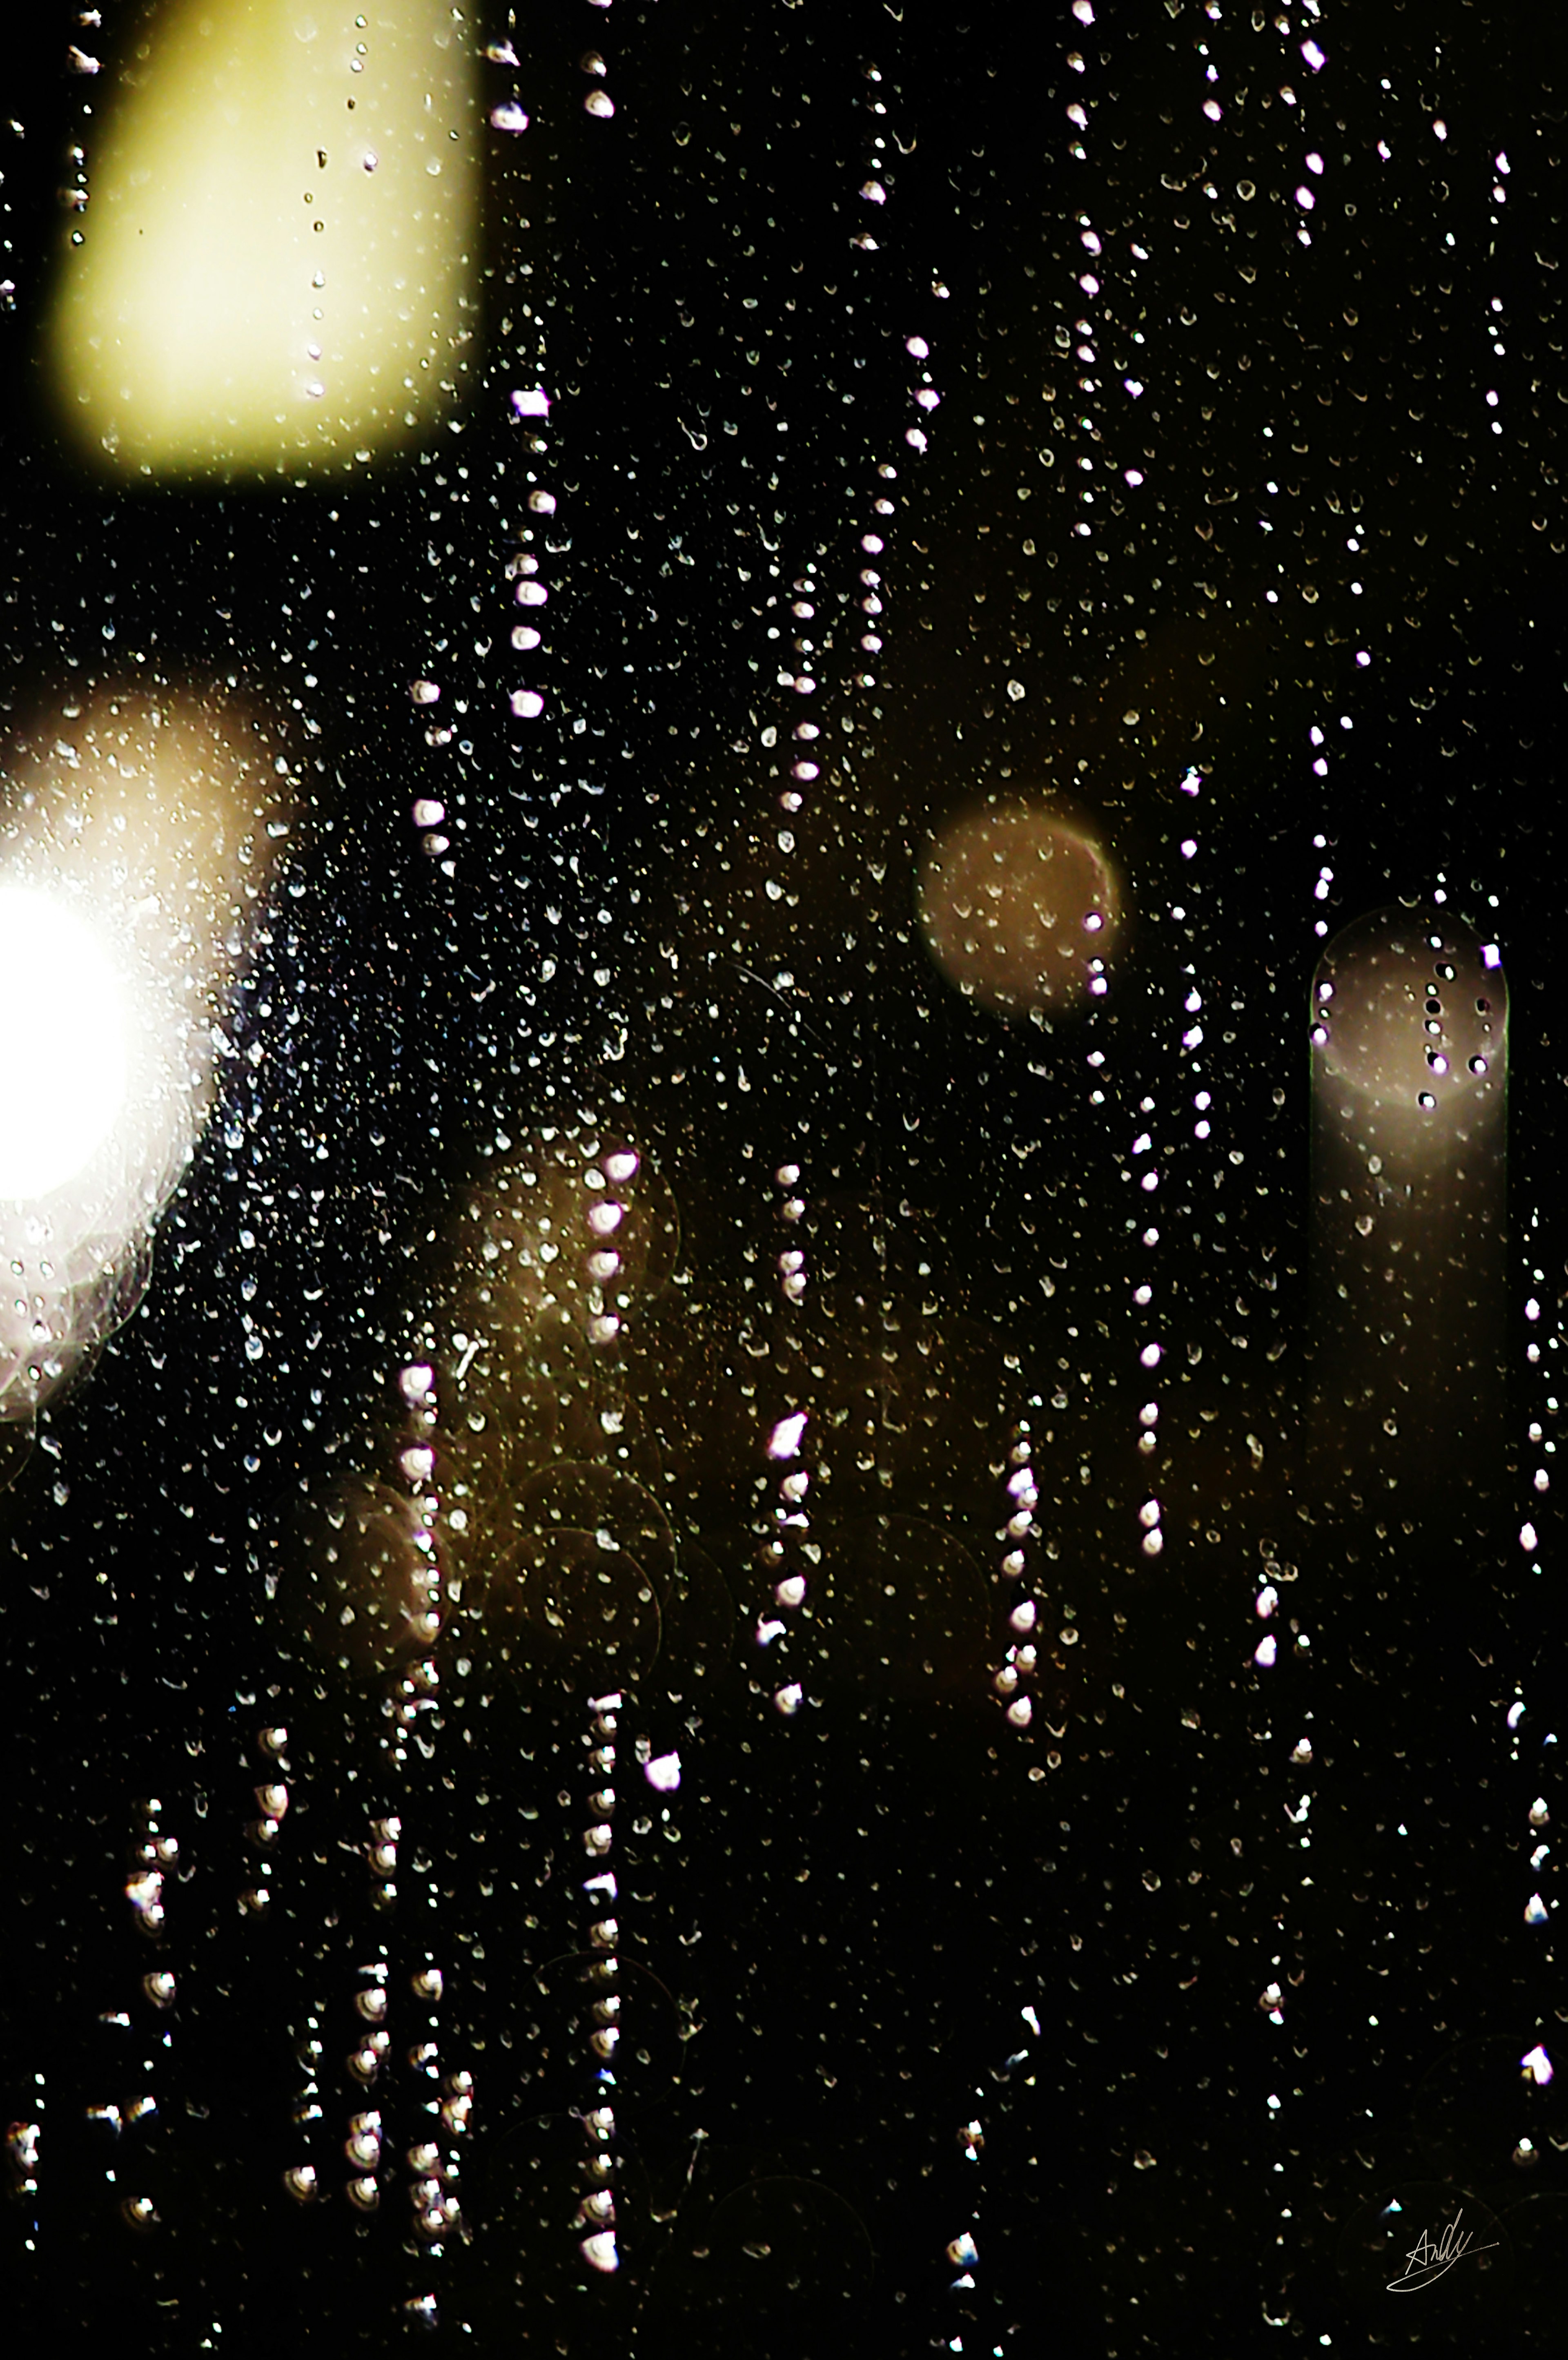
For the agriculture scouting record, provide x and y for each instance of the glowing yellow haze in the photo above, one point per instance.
(275, 259)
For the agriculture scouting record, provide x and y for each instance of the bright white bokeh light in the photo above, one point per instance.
(62, 1047)
(138, 836)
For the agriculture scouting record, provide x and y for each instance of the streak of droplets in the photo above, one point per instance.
(596, 2212)
(1020, 1535)
(786, 1552)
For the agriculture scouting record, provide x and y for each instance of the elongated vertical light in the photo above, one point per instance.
(275, 261)
(1409, 1103)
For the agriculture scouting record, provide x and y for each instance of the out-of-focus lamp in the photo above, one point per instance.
(62, 1044)
(1409, 1028)
(274, 267)
(136, 837)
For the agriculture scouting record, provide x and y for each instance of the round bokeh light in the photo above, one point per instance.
(1019, 908)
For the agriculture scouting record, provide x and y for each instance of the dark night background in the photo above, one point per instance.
(865, 1897)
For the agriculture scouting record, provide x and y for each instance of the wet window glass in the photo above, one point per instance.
(779, 1153)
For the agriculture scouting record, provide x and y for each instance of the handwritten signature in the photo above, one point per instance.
(1427, 2260)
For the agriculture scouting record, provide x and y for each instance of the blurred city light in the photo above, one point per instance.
(276, 265)
(1409, 1028)
(62, 1053)
(1019, 908)
(135, 842)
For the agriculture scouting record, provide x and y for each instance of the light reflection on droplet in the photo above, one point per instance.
(785, 1440)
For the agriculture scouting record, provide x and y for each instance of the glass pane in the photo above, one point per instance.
(778, 1407)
